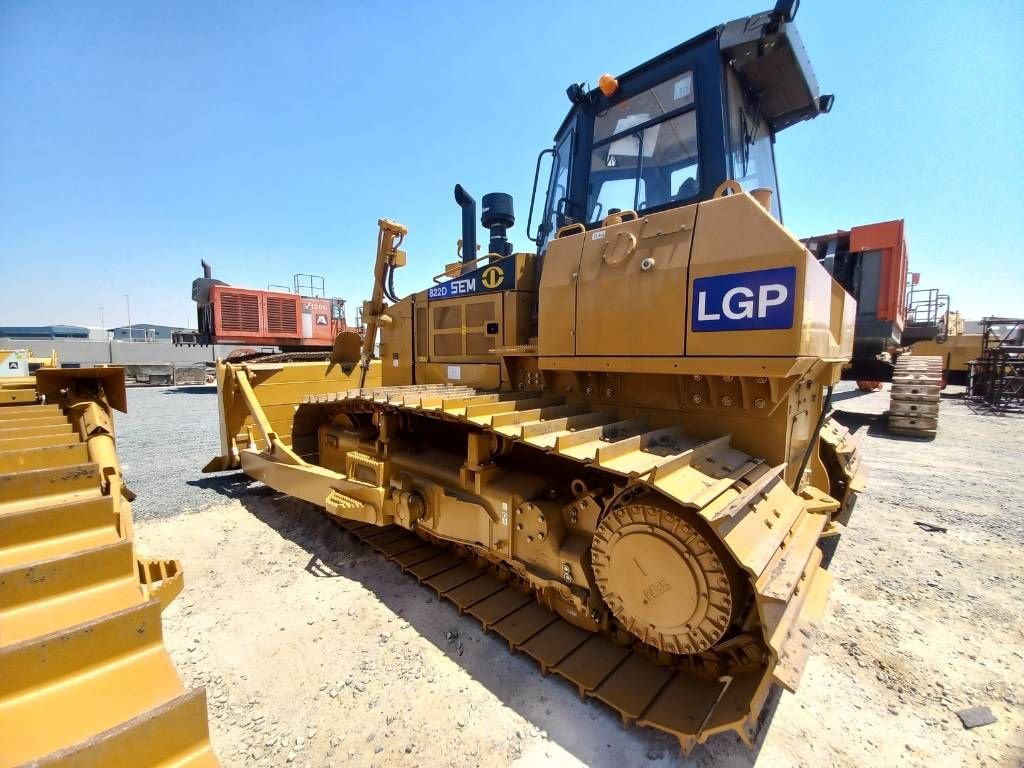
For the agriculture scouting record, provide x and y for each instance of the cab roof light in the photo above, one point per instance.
(608, 85)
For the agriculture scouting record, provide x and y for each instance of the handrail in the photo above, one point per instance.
(445, 277)
(533, 196)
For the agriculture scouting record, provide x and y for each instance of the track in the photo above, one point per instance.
(684, 704)
(770, 531)
(914, 399)
(85, 679)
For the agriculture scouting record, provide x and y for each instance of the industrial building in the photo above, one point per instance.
(79, 346)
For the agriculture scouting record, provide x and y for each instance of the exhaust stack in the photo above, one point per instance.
(468, 206)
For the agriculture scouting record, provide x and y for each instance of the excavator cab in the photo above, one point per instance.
(668, 132)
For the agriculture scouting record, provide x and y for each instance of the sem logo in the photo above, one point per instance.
(744, 301)
(492, 277)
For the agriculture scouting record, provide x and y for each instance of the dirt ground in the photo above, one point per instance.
(316, 651)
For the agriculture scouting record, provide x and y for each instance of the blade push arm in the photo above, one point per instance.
(389, 258)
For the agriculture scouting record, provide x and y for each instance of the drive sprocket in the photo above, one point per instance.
(662, 578)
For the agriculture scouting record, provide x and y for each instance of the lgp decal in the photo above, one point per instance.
(744, 301)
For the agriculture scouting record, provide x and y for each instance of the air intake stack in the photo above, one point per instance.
(497, 217)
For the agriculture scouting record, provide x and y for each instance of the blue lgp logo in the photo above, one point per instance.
(744, 301)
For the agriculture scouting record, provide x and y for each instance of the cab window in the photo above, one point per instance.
(646, 162)
(669, 96)
(752, 154)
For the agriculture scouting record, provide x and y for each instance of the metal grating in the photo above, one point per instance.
(422, 338)
(239, 312)
(282, 316)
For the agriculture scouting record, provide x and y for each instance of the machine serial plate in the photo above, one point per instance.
(497, 276)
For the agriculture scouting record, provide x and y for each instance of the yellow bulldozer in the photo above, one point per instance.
(613, 449)
(85, 679)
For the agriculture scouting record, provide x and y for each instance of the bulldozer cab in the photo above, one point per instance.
(670, 131)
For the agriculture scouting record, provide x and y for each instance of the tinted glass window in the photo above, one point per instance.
(666, 97)
(753, 155)
(645, 168)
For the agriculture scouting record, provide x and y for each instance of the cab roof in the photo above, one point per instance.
(765, 52)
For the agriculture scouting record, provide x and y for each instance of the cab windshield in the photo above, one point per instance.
(645, 151)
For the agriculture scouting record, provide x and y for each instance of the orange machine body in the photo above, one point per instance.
(886, 237)
(274, 318)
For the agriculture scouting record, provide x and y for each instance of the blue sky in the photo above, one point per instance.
(268, 138)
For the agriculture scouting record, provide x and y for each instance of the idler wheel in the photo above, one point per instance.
(662, 578)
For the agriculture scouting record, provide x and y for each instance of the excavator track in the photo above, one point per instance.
(914, 399)
(85, 679)
(771, 532)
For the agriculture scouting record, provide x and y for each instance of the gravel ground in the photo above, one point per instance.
(167, 436)
(315, 651)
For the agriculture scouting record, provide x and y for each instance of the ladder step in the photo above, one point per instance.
(41, 597)
(172, 734)
(38, 430)
(12, 394)
(27, 411)
(40, 458)
(61, 688)
(51, 481)
(47, 532)
(37, 441)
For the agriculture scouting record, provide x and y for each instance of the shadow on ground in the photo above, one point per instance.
(877, 424)
(233, 486)
(192, 389)
(550, 704)
(838, 397)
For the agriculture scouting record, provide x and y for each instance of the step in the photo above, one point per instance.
(36, 441)
(39, 458)
(60, 689)
(33, 430)
(27, 411)
(46, 532)
(42, 420)
(20, 396)
(51, 481)
(173, 734)
(44, 596)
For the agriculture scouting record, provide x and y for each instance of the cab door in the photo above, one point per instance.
(631, 291)
(557, 314)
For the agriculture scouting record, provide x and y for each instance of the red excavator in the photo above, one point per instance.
(296, 319)
(871, 263)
